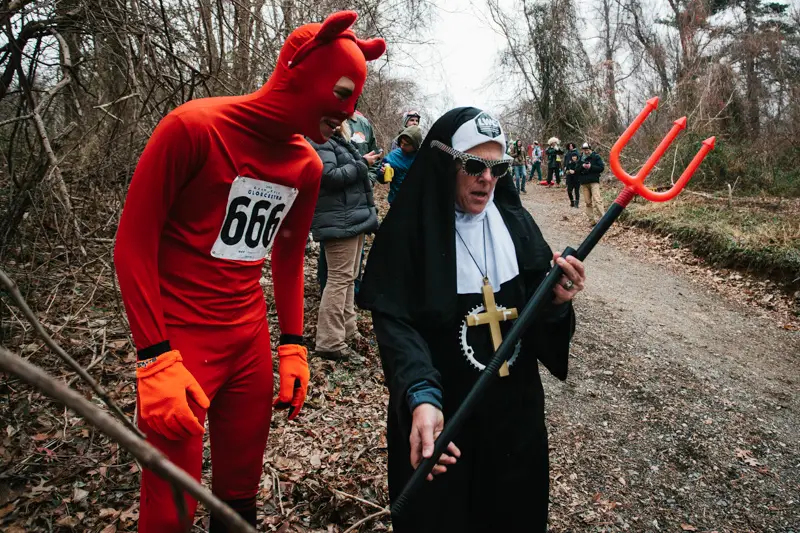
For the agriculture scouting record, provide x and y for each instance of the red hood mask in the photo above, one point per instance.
(314, 57)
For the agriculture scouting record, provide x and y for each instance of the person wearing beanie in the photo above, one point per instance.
(400, 159)
(410, 118)
(456, 241)
(591, 166)
(222, 183)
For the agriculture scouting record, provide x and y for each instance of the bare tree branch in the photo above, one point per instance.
(13, 290)
(144, 452)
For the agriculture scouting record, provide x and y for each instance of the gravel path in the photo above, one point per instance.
(681, 409)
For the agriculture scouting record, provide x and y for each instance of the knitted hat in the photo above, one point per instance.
(408, 115)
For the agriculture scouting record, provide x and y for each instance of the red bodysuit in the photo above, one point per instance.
(221, 181)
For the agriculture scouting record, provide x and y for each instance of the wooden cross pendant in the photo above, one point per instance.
(492, 316)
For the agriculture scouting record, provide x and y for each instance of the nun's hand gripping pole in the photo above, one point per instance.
(634, 185)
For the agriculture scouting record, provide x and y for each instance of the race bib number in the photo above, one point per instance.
(252, 219)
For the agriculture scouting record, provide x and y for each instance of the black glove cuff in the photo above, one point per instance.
(291, 339)
(153, 351)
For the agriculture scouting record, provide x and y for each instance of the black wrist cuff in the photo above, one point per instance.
(558, 312)
(291, 339)
(153, 351)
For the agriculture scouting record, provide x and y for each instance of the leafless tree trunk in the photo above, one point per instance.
(641, 30)
(546, 53)
(211, 56)
(751, 78)
(611, 13)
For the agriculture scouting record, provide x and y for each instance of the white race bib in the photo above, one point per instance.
(253, 217)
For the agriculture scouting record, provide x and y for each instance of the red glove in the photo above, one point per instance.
(164, 385)
(294, 376)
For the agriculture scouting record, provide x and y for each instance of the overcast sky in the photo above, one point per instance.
(456, 69)
(460, 66)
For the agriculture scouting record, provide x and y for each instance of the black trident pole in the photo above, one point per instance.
(544, 293)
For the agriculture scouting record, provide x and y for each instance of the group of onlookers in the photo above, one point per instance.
(581, 170)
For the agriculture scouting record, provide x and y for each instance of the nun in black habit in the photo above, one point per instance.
(456, 225)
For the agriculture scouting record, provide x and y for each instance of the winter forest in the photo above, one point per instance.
(681, 410)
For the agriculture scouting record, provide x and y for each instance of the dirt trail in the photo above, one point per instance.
(681, 409)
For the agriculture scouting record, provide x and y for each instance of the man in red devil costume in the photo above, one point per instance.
(220, 182)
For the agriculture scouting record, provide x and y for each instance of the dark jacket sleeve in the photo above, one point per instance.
(335, 176)
(597, 164)
(550, 336)
(406, 360)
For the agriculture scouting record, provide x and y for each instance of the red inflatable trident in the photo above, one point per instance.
(634, 185)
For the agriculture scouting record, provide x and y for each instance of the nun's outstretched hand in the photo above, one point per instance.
(426, 425)
(573, 280)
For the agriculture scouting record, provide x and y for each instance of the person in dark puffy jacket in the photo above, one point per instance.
(345, 213)
(363, 137)
(572, 168)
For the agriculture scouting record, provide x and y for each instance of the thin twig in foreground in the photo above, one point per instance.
(144, 452)
(356, 498)
(13, 290)
(373, 516)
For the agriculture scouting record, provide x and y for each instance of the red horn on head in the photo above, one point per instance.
(372, 48)
(335, 25)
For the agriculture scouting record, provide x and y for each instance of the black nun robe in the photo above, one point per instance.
(501, 481)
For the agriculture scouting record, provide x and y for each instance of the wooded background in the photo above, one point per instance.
(732, 66)
(84, 82)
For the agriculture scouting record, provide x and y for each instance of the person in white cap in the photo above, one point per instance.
(456, 242)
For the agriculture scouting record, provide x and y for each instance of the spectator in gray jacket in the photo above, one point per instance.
(345, 213)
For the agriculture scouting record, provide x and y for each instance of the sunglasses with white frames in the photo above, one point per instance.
(473, 165)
